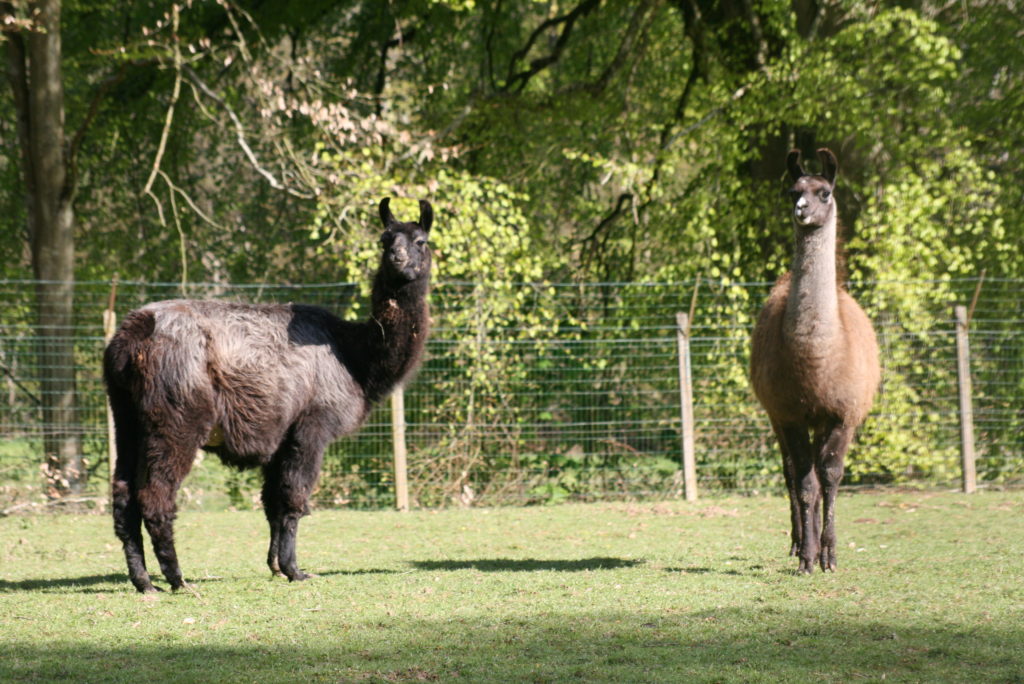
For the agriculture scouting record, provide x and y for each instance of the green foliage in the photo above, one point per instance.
(616, 141)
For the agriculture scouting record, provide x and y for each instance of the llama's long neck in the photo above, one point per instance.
(812, 310)
(396, 334)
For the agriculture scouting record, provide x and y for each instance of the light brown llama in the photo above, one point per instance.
(814, 365)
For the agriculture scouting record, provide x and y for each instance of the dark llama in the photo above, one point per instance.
(814, 365)
(267, 386)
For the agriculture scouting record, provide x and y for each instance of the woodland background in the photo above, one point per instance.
(590, 141)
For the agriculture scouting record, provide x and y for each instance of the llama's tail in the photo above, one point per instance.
(126, 347)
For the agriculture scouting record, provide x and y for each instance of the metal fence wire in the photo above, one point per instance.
(543, 392)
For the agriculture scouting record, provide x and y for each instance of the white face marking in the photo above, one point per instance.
(798, 210)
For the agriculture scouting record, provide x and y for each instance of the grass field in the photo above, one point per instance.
(930, 588)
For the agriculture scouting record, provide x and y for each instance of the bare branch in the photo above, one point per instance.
(240, 135)
(94, 106)
(148, 189)
(17, 75)
(378, 86)
(10, 373)
(629, 39)
(188, 200)
(567, 21)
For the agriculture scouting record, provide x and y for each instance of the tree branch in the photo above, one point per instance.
(76, 141)
(240, 135)
(625, 47)
(598, 237)
(694, 31)
(536, 66)
(17, 76)
(378, 86)
(162, 146)
(10, 373)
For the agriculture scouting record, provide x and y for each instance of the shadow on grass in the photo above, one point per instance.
(82, 584)
(731, 645)
(528, 564)
(356, 573)
(752, 570)
(88, 584)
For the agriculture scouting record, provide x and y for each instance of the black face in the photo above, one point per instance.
(406, 251)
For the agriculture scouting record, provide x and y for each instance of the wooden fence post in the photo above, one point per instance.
(963, 375)
(686, 406)
(398, 447)
(109, 328)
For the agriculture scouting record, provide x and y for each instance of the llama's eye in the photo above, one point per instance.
(421, 242)
(824, 195)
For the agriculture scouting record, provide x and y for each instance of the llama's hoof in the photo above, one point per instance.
(145, 586)
(828, 560)
(188, 588)
(299, 576)
(794, 550)
(806, 567)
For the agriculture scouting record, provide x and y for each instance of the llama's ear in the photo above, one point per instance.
(793, 165)
(385, 213)
(426, 215)
(829, 165)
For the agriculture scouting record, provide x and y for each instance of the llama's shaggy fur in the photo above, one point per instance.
(266, 386)
(814, 365)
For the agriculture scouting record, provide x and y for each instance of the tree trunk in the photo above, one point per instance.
(34, 72)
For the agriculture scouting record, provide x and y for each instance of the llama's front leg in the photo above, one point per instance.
(286, 548)
(299, 468)
(796, 524)
(834, 445)
(797, 437)
(809, 494)
(284, 504)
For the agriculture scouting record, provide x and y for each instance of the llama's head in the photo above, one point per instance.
(813, 203)
(406, 252)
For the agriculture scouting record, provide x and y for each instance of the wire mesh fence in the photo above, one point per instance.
(544, 392)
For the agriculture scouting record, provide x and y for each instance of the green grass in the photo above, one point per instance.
(930, 588)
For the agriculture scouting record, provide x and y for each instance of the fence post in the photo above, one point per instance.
(686, 406)
(109, 328)
(963, 376)
(398, 448)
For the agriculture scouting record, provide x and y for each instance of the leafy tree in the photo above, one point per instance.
(48, 174)
(589, 140)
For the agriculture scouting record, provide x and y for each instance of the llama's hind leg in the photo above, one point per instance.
(128, 527)
(789, 472)
(169, 462)
(831, 446)
(124, 490)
